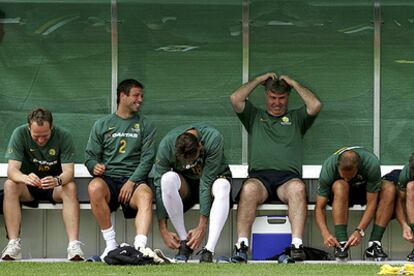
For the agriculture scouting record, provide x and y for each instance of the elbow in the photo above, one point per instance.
(316, 108)
(233, 99)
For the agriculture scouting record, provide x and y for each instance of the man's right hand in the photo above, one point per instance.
(33, 180)
(171, 239)
(330, 241)
(408, 234)
(99, 169)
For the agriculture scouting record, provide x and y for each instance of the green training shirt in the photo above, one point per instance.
(404, 177)
(369, 171)
(212, 165)
(125, 146)
(44, 160)
(275, 142)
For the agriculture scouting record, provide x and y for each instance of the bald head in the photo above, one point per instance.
(348, 163)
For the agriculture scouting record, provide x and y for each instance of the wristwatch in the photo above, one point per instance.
(360, 231)
(59, 181)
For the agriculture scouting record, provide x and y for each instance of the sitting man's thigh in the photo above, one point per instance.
(142, 195)
(294, 187)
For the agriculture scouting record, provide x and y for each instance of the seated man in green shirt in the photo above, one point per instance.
(275, 156)
(40, 167)
(353, 176)
(405, 203)
(119, 154)
(191, 168)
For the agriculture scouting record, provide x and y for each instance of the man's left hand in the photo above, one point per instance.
(49, 182)
(195, 237)
(126, 192)
(354, 239)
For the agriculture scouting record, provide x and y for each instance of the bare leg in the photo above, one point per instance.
(340, 208)
(99, 196)
(386, 203)
(68, 195)
(142, 201)
(293, 193)
(14, 193)
(409, 202)
(253, 193)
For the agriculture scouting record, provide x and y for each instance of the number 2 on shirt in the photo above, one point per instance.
(122, 146)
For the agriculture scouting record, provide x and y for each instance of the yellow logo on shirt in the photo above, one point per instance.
(136, 128)
(52, 152)
(285, 121)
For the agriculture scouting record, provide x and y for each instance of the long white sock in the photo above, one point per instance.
(109, 237)
(219, 211)
(140, 241)
(170, 185)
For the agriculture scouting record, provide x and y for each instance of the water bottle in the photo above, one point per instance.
(285, 259)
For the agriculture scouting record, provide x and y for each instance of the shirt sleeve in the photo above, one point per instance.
(68, 148)
(404, 178)
(326, 178)
(15, 148)
(374, 176)
(247, 115)
(162, 165)
(93, 151)
(306, 119)
(213, 164)
(147, 155)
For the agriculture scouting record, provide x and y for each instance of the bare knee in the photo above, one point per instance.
(253, 191)
(388, 192)
(69, 190)
(142, 198)
(410, 190)
(97, 190)
(340, 190)
(10, 187)
(297, 188)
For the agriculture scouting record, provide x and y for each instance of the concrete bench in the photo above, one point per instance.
(310, 174)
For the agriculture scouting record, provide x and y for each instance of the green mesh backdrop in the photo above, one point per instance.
(188, 54)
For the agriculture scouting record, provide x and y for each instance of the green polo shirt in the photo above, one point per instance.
(275, 142)
(404, 177)
(369, 172)
(44, 160)
(125, 146)
(212, 165)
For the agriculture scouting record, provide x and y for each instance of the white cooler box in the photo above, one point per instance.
(270, 236)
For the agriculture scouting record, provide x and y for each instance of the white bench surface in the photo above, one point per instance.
(238, 171)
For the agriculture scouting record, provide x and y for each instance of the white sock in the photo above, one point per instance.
(170, 185)
(140, 241)
(297, 242)
(242, 239)
(219, 211)
(109, 237)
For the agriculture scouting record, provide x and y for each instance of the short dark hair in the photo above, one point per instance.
(125, 86)
(277, 86)
(348, 160)
(40, 115)
(411, 166)
(186, 146)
